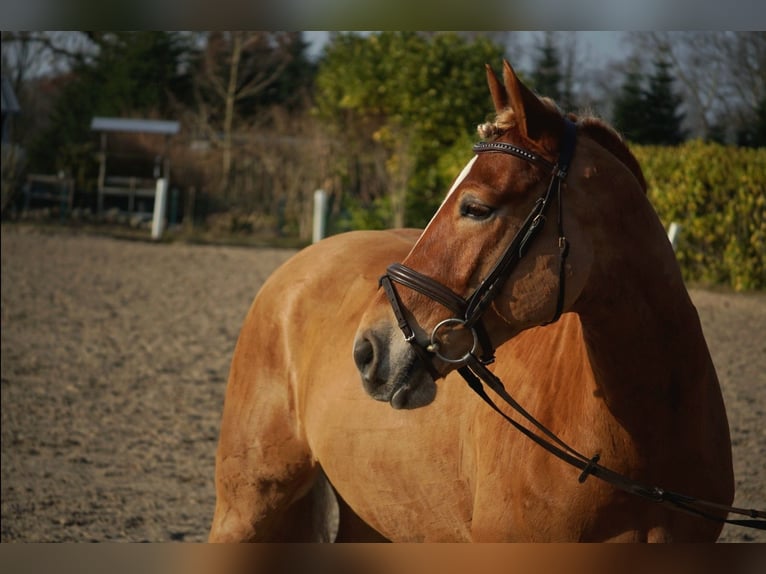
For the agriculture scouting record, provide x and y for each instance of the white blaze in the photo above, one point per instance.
(458, 181)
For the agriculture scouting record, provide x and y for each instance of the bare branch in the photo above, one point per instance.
(237, 65)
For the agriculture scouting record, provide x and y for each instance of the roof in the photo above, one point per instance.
(134, 125)
(10, 105)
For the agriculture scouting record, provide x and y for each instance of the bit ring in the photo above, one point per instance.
(434, 346)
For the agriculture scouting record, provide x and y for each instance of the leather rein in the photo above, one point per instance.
(468, 312)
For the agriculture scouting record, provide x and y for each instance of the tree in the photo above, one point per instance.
(410, 96)
(552, 75)
(546, 72)
(754, 134)
(32, 54)
(292, 89)
(647, 108)
(760, 125)
(629, 114)
(721, 75)
(142, 71)
(116, 73)
(237, 68)
(661, 104)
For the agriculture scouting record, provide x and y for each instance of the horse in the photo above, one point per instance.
(586, 318)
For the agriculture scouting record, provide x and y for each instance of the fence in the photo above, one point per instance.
(47, 190)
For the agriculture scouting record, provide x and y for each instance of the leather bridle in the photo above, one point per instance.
(468, 313)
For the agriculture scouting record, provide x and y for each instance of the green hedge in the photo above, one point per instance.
(716, 193)
(718, 196)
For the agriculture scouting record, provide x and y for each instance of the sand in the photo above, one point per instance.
(115, 355)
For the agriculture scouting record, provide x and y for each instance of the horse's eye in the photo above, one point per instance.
(475, 210)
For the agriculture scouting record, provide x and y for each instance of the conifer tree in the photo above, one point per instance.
(629, 111)
(662, 107)
(553, 75)
(546, 76)
(760, 125)
(754, 133)
(647, 110)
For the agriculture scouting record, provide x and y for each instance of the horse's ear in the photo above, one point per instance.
(532, 116)
(499, 95)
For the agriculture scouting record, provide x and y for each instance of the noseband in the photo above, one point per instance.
(468, 311)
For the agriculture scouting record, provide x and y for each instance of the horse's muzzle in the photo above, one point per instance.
(365, 357)
(392, 373)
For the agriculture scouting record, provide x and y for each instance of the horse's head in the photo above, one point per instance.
(510, 248)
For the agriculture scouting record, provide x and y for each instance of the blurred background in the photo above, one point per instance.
(246, 126)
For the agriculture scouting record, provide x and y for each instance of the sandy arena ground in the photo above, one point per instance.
(114, 361)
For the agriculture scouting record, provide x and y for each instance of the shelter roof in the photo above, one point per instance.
(164, 127)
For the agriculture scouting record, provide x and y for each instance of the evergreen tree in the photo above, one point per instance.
(629, 111)
(567, 98)
(760, 125)
(661, 104)
(140, 71)
(649, 115)
(754, 134)
(552, 75)
(547, 77)
(716, 133)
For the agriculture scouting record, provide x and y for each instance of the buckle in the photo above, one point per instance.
(589, 468)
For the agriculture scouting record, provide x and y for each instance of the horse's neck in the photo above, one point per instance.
(645, 346)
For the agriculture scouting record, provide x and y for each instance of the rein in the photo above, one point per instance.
(473, 369)
(474, 373)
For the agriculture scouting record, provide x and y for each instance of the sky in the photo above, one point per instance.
(386, 14)
(597, 47)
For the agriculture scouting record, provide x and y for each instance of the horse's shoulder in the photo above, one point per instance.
(330, 276)
(345, 256)
(366, 244)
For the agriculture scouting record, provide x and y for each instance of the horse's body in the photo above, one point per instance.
(625, 373)
(455, 470)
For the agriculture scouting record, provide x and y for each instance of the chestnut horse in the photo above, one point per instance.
(624, 373)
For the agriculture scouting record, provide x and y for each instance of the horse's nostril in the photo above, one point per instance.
(364, 355)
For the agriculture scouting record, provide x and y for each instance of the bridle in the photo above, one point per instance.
(468, 313)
